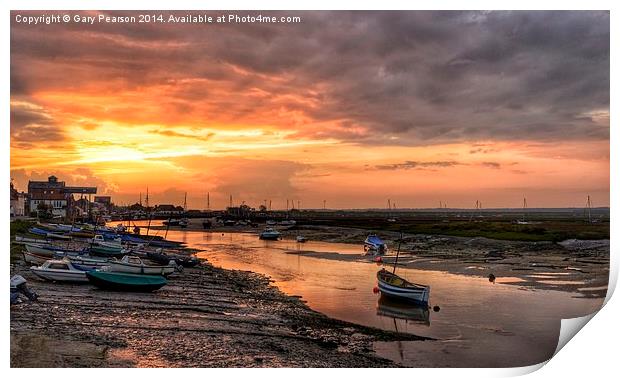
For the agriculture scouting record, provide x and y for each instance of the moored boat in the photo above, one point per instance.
(103, 251)
(396, 287)
(59, 270)
(270, 234)
(49, 250)
(35, 259)
(86, 263)
(301, 239)
(125, 281)
(135, 265)
(374, 245)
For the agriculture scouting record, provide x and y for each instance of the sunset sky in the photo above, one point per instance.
(348, 107)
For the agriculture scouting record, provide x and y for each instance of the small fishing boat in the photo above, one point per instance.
(22, 240)
(374, 245)
(60, 271)
(125, 281)
(104, 251)
(35, 259)
(50, 250)
(87, 263)
(165, 258)
(183, 223)
(270, 234)
(394, 286)
(135, 265)
(301, 239)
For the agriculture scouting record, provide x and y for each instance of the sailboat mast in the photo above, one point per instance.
(400, 239)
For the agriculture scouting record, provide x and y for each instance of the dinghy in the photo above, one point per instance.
(125, 281)
(134, 265)
(35, 259)
(270, 234)
(393, 286)
(301, 239)
(88, 263)
(60, 271)
(49, 250)
(374, 245)
(104, 251)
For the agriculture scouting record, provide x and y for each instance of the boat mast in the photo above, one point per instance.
(400, 239)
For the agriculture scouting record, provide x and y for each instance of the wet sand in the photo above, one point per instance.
(204, 317)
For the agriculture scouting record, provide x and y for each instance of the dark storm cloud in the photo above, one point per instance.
(380, 77)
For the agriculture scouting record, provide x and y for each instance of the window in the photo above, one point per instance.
(59, 266)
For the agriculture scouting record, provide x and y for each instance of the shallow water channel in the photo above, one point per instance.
(479, 323)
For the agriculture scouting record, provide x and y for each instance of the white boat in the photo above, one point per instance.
(290, 222)
(48, 249)
(271, 223)
(40, 249)
(35, 259)
(59, 270)
(89, 262)
(134, 265)
(270, 234)
(100, 241)
(393, 286)
(301, 239)
(23, 240)
(183, 223)
(374, 245)
(51, 235)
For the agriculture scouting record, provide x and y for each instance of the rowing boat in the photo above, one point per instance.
(394, 286)
(125, 281)
(35, 259)
(134, 265)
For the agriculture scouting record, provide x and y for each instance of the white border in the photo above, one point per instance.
(591, 353)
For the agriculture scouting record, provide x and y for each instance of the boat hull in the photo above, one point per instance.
(126, 282)
(105, 251)
(120, 267)
(403, 291)
(60, 276)
(35, 259)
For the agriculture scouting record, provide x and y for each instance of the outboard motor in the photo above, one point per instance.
(19, 286)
